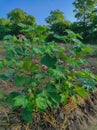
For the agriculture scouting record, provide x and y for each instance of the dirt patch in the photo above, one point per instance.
(92, 64)
(66, 117)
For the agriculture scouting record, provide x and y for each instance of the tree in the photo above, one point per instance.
(55, 17)
(59, 28)
(85, 11)
(30, 20)
(57, 24)
(4, 27)
(17, 16)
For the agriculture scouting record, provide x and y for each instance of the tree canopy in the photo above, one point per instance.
(55, 17)
(17, 16)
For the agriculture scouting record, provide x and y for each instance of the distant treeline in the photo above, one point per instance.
(86, 23)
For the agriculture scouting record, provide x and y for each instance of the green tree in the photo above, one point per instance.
(57, 25)
(59, 28)
(85, 11)
(30, 20)
(55, 17)
(84, 31)
(4, 27)
(17, 16)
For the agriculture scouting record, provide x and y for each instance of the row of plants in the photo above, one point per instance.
(48, 73)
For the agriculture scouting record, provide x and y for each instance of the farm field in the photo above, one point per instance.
(7, 88)
(48, 65)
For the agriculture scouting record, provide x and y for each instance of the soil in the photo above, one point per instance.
(66, 117)
(92, 63)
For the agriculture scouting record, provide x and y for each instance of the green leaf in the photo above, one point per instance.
(20, 51)
(8, 37)
(34, 67)
(64, 97)
(4, 62)
(84, 74)
(9, 98)
(57, 74)
(1, 94)
(27, 115)
(37, 50)
(57, 36)
(20, 101)
(19, 81)
(1, 65)
(41, 102)
(75, 99)
(50, 88)
(81, 91)
(10, 54)
(27, 65)
(6, 77)
(22, 25)
(55, 97)
(73, 62)
(60, 37)
(49, 61)
(88, 83)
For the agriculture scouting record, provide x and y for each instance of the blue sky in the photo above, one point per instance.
(40, 9)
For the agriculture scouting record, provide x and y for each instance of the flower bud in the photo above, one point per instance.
(20, 36)
(45, 68)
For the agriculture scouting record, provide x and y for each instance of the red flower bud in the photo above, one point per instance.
(45, 68)
(20, 36)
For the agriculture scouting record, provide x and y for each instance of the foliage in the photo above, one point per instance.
(57, 24)
(35, 33)
(55, 17)
(60, 27)
(85, 9)
(47, 73)
(86, 14)
(17, 16)
(4, 27)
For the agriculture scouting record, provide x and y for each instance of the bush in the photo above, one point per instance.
(47, 74)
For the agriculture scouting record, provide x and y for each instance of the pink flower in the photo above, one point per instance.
(60, 44)
(20, 36)
(45, 67)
